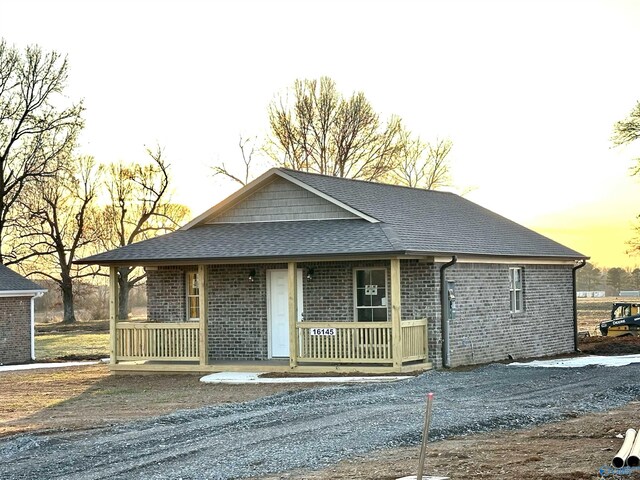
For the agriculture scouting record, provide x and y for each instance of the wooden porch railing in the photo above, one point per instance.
(349, 342)
(414, 340)
(359, 342)
(157, 341)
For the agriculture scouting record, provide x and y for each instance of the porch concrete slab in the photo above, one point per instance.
(253, 377)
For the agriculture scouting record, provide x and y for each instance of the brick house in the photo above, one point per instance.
(315, 273)
(17, 317)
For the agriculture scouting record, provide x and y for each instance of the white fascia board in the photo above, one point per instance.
(33, 328)
(507, 260)
(329, 198)
(22, 293)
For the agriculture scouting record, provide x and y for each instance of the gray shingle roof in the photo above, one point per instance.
(257, 240)
(12, 281)
(433, 221)
(411, 221)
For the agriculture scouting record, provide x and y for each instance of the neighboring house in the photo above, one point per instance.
(315, 273)
(17, 317)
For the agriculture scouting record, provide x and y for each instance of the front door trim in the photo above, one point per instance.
(269, 308)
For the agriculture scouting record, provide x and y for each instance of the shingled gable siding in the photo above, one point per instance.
(15, 330)
(166, 294)
(282, 200)
(484, 330)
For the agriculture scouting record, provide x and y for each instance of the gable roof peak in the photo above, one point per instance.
(262, 181)
(361, 181)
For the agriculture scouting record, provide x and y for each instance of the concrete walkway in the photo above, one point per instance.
(246, 377)
(34, 366)
(577, 362)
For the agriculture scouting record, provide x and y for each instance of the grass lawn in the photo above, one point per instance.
(72, 346)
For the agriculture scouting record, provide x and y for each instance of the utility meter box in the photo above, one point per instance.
(451, 299)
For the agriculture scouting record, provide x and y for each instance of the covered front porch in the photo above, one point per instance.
(395, 345)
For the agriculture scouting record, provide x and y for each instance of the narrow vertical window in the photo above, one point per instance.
(193, 296)
(371, 295)
(515, 289)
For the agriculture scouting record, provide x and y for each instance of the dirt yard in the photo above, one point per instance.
(77, 398)
(80, 398)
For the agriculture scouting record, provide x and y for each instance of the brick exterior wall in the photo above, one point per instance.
(419, 297)
(238, 312)
(418, 290)
(15, 330)
(166, 295)
(238, 326)
(328, 297)
(483, 329)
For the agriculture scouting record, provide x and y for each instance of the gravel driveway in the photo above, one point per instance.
(315, 427)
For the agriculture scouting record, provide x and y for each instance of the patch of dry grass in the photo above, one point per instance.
(592, 311)
(74, 345)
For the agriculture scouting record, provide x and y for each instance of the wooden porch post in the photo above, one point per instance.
(293, 314)
(396, 327)
(203, 307)
(113, 313)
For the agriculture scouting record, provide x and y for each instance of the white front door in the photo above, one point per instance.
(278, 305)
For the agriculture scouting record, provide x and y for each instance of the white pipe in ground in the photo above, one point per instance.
(633, 460)
(621, 457)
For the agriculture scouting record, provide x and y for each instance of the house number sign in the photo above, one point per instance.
(323, 332)
(371, 289)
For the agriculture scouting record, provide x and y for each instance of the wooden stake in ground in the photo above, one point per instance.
(423, 447)
(425, 436)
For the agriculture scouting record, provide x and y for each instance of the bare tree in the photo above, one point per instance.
(247, 149)
(58, 221)
(320, 131)
(140, 208)
(317, 130)
(34, 129)
(423, 165)
(627, 130)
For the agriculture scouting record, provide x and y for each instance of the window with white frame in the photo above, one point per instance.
(193, 296)
(370, 286)
(515, 289)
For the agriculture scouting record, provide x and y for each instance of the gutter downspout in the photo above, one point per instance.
(33, 325)
(444, 313)
(575, 304)
(33, 329)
